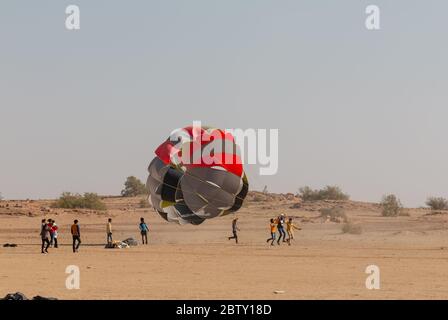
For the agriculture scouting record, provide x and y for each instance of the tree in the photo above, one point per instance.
(391, 206)
(133, 187)
(1, 197)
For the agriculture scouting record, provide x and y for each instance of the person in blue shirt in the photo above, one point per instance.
(144, 230)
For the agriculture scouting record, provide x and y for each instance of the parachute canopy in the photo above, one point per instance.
(197, 174)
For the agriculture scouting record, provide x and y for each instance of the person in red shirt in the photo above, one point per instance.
(53, 233)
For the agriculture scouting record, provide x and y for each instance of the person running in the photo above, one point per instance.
(281, 228)
(44, 234)
(109, 231)
(273, 229)
(235, 230)
(76, 234)
(143, 230)
(290, 226)
(54, 234)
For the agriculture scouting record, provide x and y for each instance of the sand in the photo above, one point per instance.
(198, 262)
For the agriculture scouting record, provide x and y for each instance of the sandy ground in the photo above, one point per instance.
(198, 262)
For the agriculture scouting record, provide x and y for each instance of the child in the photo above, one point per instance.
(290, 226)
(273, 228)
(143, 230)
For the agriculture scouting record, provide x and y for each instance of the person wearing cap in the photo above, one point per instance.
(281, 228)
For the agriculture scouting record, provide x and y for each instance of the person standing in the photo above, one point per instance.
(143, 230)
(54, 234)
(235, 230)
(109, 231)
(50, 225)
(76, 234)
(44, 234)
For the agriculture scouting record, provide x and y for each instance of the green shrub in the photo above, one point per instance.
(391, 206)
(437, 203)
(76, 201)
(327, 193)
(134, 187)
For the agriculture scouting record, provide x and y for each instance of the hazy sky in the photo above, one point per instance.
(366, 110)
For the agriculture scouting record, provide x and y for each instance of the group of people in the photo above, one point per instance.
(49, 234)
(279, 225)
(143, 227)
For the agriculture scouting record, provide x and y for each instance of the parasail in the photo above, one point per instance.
(197, 174)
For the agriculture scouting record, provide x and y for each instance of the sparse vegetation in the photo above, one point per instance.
(1, 197)
(351, 228)
(144, 203)
(391, 206)
(437, 203)
(134, 187)
(327, 193)
(76, 201)
(335, 214)
(259, 198)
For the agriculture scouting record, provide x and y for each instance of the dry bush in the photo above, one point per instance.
(259, 198)
(143, 204)
(327, 193)
(351, 228)
(404, 213)
(335, 214)
(391, 206)
(437, 203)
(76, 201)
